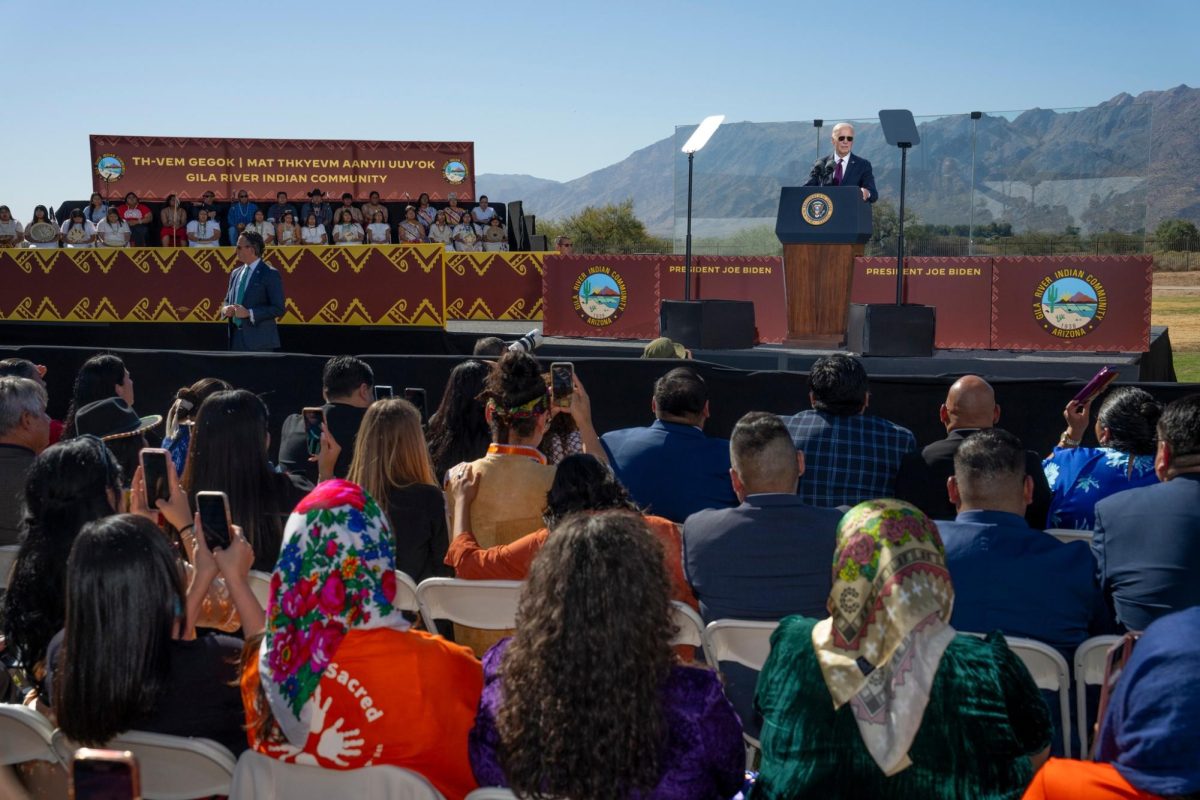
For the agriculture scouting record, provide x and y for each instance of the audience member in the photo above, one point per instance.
(426, 213)
(586, 700)
(207, 203)
(347, 231)
(373, 207)
(882, 696)
(458, 430)
(203, 231)
(313, 231)
(347, 384)
(24, 368)
(240, 215)
(317, 206)
(581, 484)
(671, 468)
(24, 432)
(410, 230)
(127, 658)
(101, 376)
(137, 216)
(172, 221)
(11, 231)
(78, 232)
(441, 232)
(177, 434)
(340, 680)
(40, 233)
(280, 207)
(562, 438)
(495, 236)
(112, 230)
(379, 232)
(466, 236)
(263, 227)
(1008, 576)
(482, 213)
(123, 432)
(228, 453)
(96, 211)
(662, 347)
(1145, 540)
(391, 463)
(287, 232)
(970, 406)
(347, 205)
(1081, 476)
(489, 347)
(68, 486)
(1149, 743)
(565, 246)
(454, 212)
(850, 456)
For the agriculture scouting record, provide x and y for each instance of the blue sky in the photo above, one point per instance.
(554, 90)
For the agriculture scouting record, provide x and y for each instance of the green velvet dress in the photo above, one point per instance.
(985, 717)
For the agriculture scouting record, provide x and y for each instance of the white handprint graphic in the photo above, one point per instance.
(335, 743)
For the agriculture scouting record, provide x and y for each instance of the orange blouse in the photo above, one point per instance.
(404, 698)
(1067, 779)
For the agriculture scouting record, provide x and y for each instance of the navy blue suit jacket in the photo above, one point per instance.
(858, 173)
(672, 470)
(264, 299)
(766, 559)
(1147, 547)
(1022, 581)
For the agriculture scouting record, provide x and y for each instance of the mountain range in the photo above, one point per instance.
(1123, 165)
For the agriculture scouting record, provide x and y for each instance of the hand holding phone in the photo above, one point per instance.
(105, 775)
(314, 418)
(383, 391)
(154, 470)
(215, 519)
(416, 396)
(562, 383)
(1095, 386)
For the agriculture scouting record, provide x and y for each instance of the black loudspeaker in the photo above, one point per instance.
(538, 243)
(880, 329)
(708, 324)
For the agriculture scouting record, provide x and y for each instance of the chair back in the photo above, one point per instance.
(25, 735)
(1090, 657)
(172, 767)
(406, 595)
(260, 777)
(260, 584)
(8, 557)
(492, 793)
(1070, 535)
(689, 626)
(746, 642)
(1049, 671)
(487, 605)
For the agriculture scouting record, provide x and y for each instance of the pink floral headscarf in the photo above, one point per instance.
(336, 571)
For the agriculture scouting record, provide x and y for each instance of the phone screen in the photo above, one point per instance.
(313, 417)
(383, 391)
(99, 778)
(1096, 385)
(562, 382)
(214, 517)
(417, 398)
(154, 468)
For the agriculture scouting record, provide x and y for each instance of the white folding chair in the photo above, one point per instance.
(689, 626)
(745, 642)
(1070, 535)
(8, 557)
(1050, 673)
(25, 735)
(260, 584)
(1089, 671)
(260, 777)
(406, 595)
(172, 767)
(486, 605)
(492, 793)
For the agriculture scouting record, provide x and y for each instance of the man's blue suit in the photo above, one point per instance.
(263, 298)
(672, 470)
(1022, 581)
(1147, 547)
(857, 173)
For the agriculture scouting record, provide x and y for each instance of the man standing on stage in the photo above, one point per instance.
(843, 168)
(254, 298)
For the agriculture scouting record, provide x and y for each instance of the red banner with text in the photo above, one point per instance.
(156, 166)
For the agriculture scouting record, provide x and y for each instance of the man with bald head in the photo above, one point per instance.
(970, 406)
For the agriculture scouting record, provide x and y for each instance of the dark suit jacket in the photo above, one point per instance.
(341, 419)
(1147, 547)
(858, 173)
(264, 299)
(1022, 581)
(922, 480)
(671, 470)
(14, 466)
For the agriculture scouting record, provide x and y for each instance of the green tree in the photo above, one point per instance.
(885, 222)
(1176, 234)
(612, 228)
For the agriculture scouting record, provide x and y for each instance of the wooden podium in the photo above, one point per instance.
(823, 229)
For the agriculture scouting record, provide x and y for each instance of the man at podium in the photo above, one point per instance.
(843, 168)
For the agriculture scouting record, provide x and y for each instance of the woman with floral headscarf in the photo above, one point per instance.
(340, 681)
(882, 699)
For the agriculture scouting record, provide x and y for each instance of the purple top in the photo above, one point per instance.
(703, 757)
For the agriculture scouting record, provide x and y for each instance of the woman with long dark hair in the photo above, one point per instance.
(587, 701)
(101, 376)
(69, 485)
(228, 453)
(458, 430)
(392, 464)
(127, 657)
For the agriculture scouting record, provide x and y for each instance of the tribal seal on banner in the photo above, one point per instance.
(1070, 303)
(600, 296)
(110, 168)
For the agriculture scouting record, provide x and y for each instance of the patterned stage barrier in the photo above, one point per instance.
(394, 285)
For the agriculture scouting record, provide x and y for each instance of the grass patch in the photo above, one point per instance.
(1181, 314)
